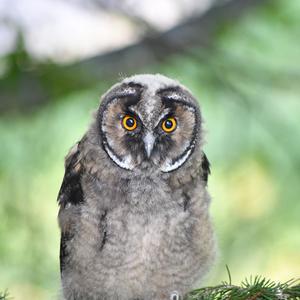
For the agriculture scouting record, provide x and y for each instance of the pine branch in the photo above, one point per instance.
(257, 288)
(4, 296)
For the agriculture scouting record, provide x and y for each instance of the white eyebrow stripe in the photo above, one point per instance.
(129, 91)
(125, 92)
(178, 98)
(173, 96)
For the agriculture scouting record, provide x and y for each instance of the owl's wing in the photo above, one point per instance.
(70, 190)
(205, 166)
(69, 193)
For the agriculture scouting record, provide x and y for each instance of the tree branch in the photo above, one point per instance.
(36, 84)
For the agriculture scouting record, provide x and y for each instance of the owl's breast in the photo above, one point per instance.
(137, 250)
(152, 251)
(146, 244)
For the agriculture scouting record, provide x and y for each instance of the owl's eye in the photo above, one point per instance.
(169, 124)
(129, 123)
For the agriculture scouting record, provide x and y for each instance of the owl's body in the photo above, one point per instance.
(134, 220)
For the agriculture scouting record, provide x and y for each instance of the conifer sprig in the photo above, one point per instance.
(255, 288)
(4, 296)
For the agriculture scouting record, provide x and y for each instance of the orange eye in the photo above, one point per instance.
(129, 123)
(169, 124)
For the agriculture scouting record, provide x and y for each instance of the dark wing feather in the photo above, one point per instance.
(205, 165)
(70, 193)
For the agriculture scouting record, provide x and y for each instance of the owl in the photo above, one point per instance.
(134, 206)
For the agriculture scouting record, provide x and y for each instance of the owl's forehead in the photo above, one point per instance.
(150, 96)
(152, 83)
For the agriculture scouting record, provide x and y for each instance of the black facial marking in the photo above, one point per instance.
(182, 96)
(205, 165)
(133, 142)
(121, 91)
(169, 90)
(172, 103)
(128, 98)
(71, 191)
(163, 145)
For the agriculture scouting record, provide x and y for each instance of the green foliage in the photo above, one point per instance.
(4, 296)
(258, 288)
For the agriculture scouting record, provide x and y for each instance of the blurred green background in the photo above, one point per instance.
(248, 85)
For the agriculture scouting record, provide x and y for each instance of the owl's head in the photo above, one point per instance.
(149, 121)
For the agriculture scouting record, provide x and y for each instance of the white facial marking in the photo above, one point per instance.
(175, 296)
(125, 164)
(173, 96)
(168, 166)
(129, 91)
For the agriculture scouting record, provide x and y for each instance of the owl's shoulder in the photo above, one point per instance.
(71, 190)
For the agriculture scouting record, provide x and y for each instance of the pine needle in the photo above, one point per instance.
(4, 296)
(257, 288)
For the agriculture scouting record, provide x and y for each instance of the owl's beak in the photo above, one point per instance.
(149, 140)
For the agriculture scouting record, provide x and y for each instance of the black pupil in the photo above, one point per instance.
(169, 124)
(130, 122)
